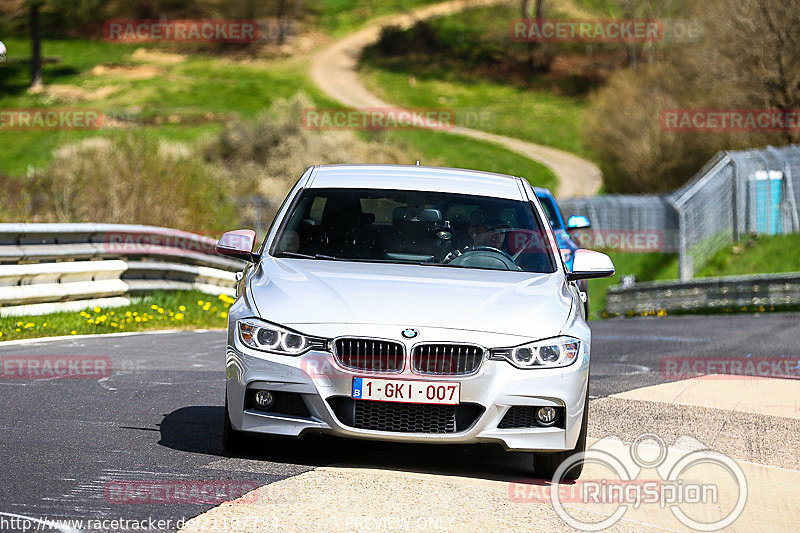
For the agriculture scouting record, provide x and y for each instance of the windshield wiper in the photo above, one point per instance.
(307, 256)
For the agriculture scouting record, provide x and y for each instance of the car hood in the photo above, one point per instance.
(301, 291)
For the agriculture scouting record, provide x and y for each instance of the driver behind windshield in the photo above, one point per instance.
(485, 229)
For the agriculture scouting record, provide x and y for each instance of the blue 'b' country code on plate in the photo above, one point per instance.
(357, 387)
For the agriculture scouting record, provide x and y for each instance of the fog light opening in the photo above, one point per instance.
(264, 399)
(546, 416)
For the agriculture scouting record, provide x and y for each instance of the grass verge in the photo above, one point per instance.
(160, 310)
(468, 73)
(756, 254)
(338, 17)
(439, 148)
(177, 97)
(645, 266)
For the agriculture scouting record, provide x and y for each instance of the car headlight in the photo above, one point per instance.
(261, 335)
(548, 353)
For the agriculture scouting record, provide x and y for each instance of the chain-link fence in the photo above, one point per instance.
(735, 193)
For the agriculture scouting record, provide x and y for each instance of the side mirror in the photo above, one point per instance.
(588, 264)
(578, 222)
(238, 244)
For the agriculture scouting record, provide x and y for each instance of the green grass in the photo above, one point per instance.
(535, 107)
(539, 117)
(160, 310)
(437, 148)
(180, 102)
(338, 17)
(755, 255)
(610, 8)
(190, 99)
(645, 266)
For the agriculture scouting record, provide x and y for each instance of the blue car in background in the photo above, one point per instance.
(566, 243)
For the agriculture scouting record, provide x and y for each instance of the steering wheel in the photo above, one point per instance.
(483, 257)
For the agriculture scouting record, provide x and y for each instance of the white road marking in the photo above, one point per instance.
(92, 336)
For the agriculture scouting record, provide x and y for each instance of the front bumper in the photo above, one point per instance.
(322, 382)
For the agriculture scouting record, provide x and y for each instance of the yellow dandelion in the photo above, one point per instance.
(73, 332)
(128, 313)
(200, 302)
(179, 316)
(223, 314)
(19, 324)
(113, 324)
(182, 308)
(18, 330)
(29, 325)
(96, 309)
(1, 333)
(90, 321)
(138, 319)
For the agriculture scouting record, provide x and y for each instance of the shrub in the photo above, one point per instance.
(623, 127)
(267, 155)
(133, 178)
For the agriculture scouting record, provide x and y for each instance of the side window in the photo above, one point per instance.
(549, 210)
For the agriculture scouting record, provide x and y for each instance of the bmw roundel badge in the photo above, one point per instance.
(410, 333)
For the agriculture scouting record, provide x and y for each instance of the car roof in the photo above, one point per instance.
(416, 177)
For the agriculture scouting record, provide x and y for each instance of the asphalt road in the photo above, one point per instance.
(158, 416)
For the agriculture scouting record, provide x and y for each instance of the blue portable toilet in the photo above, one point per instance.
(765, 201)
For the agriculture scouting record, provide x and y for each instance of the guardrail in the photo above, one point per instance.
(705, 293)
(56, 267)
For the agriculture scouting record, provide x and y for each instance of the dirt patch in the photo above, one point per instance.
(142, 72)
(160, 58)
(71, 93)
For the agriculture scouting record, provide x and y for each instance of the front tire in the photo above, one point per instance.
(233, 441)
(546, 464)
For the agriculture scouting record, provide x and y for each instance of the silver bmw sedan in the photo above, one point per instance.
(412, 304)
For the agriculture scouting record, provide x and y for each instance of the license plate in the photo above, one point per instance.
(407, 391)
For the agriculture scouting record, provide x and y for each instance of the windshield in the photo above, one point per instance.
(415, 227)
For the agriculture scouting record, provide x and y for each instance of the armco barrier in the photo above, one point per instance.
(705, 293)
(50, 267)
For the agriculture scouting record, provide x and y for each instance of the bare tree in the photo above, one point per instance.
(539, 9)
(34, 9)
(753, 55)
